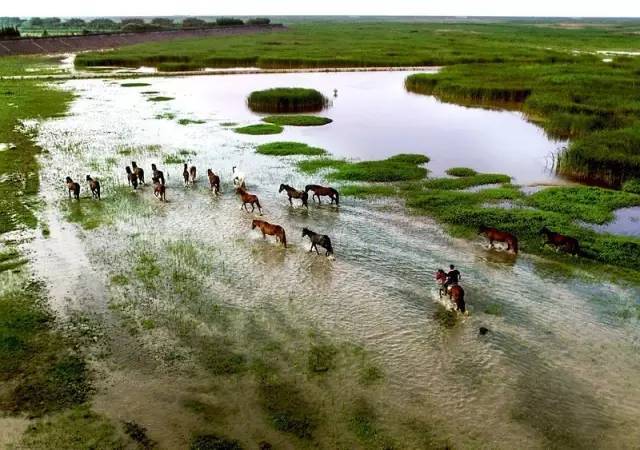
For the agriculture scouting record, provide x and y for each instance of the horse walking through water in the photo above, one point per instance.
(155, 173)
(138, 171)
(270, 229)
(94, 185)
(192, 174)
(214, 181)
(238, 178)
(323, 191)
(132, 177)
(441, 279)
(251, 199)
(495, 235)
(560, 241)
(456, 294)
(73, 187)
(318, 239)
(294, 193)
(159, 189)
(185, 174)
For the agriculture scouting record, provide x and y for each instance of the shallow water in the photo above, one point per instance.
(626, 222)
(559, 366)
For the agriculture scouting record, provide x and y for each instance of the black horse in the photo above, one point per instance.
(318, 239)
(294, 193)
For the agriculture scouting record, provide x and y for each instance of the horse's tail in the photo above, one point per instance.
(329, 247)
(305, 199)
(337, 194)
(98, 190)
(283, 238)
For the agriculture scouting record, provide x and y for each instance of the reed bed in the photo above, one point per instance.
(287, 100)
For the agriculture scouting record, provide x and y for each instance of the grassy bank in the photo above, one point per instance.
(372, 44)
(595, 104)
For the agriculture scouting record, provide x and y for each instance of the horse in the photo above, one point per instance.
(159, 189)
(214, 181)
(456, 294)
(132, 177)
(441, 278)
(138, 171)
(185, 174)
(249, 198)
(270, 229)
(560, 241)
(324, 191)
(318, 239)
(192, 174)
(238, 178)
(94, 185)
(74, 187)
(494, 234)
(294, 193)
(155, 173)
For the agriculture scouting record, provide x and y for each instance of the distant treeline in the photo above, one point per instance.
(11, 25)
(9, 32)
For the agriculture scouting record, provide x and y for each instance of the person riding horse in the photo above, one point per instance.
(453, 278)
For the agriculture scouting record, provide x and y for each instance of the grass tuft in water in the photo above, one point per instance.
(260, 129)
(160, 98)
(167, 116)
(445, 317)
(134, 84)
(286, 100)
(321, 358)
(297, 120)
(461, 172)
(191, 122)
(288, 149)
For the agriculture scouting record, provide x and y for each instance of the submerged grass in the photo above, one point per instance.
(297, 120)
(263, 128)
(286, 100)
(135, 84)
(160, 98)
(288, 149)
(191, 122)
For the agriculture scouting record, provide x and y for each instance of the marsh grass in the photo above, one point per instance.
(288, 149)
(465, 182)
(401, 167)
(135, 84)
(632, 186)
(173, 158)
(191, 122)
(287, 100)
(461, 172)
(166, 115)
(160, 98)
(258, 129)
(297, 120)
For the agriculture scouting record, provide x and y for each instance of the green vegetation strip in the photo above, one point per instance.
(135, 84)
(263, 128)
(288, 149)
(297, 120)
(160, 98)
(402, 167)
(282, 100)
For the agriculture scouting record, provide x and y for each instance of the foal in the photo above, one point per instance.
(155, 173)
(294, 193)
(324, 191)
(318, 239)
(214, 181)
(159, 189)
(270, 229)
(132, 177)
(249, 198)
(94, 185)
(74, 187)
(138, 171)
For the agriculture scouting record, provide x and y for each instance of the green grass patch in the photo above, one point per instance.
(466, 182)
(402, 167)
(297, 120)
(191, 122)
(321, 358)
(461, 172)
(288, 149)
(264, 128)
(135, 84)
(632, 186)
(167, 115)
(589, 204)
(286, 100)
(160, 98)
(369, 190)
(173, 158)
(229, 124)
(311, 166)
(287, 408)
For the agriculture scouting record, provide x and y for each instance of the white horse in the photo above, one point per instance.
(238, 178)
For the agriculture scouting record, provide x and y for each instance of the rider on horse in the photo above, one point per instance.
(453, 278)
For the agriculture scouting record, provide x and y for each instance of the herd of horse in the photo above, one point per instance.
(136, 177)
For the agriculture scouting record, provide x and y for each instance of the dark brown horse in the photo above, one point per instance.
(159, 189)
(73, 187)
(495, 235)
(456, 294)
(318, 239)
(270, 229)
(94, 185)
(250, 199)
(138, 171)
(441, 279)
(192, 174)
(185, 174)
(323, 191)
(132, 177)
(214, 181)
(294, 193)
(560, 241)
(155, 173)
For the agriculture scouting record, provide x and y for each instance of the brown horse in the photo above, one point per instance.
(185, 174)
(159, 189)
(456, 294)
(155, 173)
(132, 177)
(138, 171)
(495, 235)
(192, 174)
(214, 181)
(560, 241)
(250, 199)
(294, 193)
(441, 279)
(323, 191)
(94, 185)
(270, 229)
(74, 187)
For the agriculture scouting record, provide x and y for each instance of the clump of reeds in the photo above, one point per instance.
(287, 100)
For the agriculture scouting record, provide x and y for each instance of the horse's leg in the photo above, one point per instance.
(311, 249)
(490, 243)
(253, 206)
(317, 252)
(319, 201)
(290, 201)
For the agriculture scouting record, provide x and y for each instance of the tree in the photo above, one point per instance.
(51, 22)
(193, 22)
(163, 22)
(131, 20)
(102, 24)
(75, 23)
(9, 32)
(226, 21)
(35, 22)
(259, 21)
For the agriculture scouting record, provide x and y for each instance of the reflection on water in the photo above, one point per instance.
(626, 222)
(559, 367)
